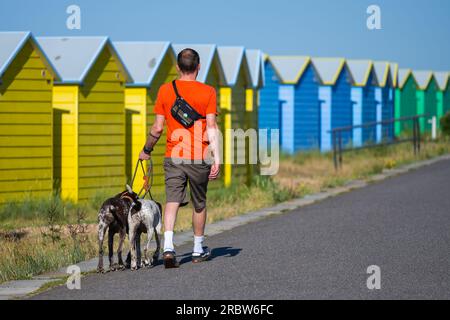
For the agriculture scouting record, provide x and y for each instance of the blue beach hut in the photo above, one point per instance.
(386, 74)
(366, 101)
(300, 110)
(269, 107)
(336, 108)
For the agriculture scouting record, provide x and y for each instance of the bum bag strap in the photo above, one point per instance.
(174, 85)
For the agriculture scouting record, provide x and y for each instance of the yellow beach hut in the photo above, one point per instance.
(89, 116)
(233, 98)
(26, 78)
(150, 64)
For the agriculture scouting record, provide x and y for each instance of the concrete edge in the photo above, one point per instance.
(22, 288)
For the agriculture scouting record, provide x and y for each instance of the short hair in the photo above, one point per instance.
(188, 60)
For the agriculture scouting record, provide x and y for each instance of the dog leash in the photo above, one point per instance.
(148, 179)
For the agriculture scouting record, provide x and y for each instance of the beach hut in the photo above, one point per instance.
(233, 105)
(211, 73)
(426, 98)
(150, 64)
(386, 75)
(443, 95)
(336, 107)
(26, 78)
(300, 108)
(89, 116)
(269, 112)
(405, 100)
(366, 99)
(252, 102)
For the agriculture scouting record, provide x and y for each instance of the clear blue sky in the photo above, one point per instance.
(416, 33)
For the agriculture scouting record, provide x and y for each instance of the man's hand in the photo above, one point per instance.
(143, 156)
(215, 170)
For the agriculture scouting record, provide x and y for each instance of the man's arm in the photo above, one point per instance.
(153, 137)
(213, 137)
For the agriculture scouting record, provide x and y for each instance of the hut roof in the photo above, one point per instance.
(255, 64)
(382, 71)
(143, 59)
(360, 70)
(73, 57)
(10, 45)
(442, 78)
(232, 59)
(329, 69)
(289, 69)
(423, 78)
(403, 75)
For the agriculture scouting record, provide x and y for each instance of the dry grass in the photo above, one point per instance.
(27, 248)
(311, 172)
(33, 254)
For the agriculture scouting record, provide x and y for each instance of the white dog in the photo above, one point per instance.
(144, 217)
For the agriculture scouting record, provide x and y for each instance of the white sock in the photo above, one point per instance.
(168, 241)
(198, 244)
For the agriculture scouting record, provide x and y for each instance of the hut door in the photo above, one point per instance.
(379, 118)
(357, 101)
(440, 107)
(420, 96)
(65, 141)
(325, 118)
(286, 94)
(135, 113)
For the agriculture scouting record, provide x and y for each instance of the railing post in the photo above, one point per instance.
(334, 150)
(414, 123)
(418, 135)
(340, 149)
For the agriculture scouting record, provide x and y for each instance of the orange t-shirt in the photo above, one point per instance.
(181, 142)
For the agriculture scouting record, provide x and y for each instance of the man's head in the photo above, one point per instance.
(188, 62)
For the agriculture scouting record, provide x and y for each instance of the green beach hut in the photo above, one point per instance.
(427, 102)
(405, 100)
(443, 95)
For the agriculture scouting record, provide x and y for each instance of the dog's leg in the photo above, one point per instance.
(112, 267)
(158, 249)
(138, 249)
(122, 235)
(132, 238)
(147, 261)
(102, 226)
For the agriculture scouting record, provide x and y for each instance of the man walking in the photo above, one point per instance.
(186, 152)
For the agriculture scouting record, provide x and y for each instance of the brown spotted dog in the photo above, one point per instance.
(113, 215)
(144, 217)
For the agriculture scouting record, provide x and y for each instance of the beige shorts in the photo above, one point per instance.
(177, 177)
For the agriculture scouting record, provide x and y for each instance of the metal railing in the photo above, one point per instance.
(339, 149)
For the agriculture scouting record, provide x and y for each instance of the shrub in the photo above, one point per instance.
(445, 124)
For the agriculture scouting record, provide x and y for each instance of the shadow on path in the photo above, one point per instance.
(215, 253)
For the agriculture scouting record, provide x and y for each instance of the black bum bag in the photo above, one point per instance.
(183, 112)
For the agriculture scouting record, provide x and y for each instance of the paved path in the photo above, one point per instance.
(320, 251)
